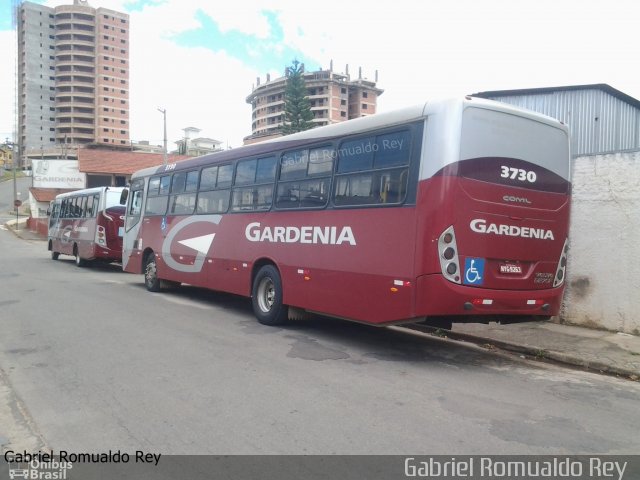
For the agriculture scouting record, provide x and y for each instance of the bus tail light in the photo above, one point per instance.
(482, 301)
(562, 265)
(448, 254)
(399, 283)
(101, 236)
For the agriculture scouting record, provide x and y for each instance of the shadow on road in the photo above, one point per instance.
(325, 338)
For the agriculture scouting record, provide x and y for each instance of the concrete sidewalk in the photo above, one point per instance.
(596, 350)
(22, 230)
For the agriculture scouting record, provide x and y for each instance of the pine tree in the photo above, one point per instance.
(297, 109)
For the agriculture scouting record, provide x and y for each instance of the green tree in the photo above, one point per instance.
(297, 109)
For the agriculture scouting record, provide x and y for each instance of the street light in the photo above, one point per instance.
(12, 145)
(163, 111)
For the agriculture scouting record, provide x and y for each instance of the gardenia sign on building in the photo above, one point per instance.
(57, 173)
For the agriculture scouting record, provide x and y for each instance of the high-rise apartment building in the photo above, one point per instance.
(334, 98)
(73, 77)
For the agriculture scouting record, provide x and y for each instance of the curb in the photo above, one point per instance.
(31, 236)
(536, 352)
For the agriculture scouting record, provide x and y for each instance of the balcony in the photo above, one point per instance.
(60, 43)
(72, 135)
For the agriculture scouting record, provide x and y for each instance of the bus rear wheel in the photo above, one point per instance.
(151, 280)
(80, 262)
(54, 254)
(266, 297)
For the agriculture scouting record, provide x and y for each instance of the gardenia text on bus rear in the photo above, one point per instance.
(480, 225)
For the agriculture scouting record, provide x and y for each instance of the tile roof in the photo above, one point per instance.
(119, 162)
(48, 194)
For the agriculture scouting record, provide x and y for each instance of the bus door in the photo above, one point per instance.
(130, 245)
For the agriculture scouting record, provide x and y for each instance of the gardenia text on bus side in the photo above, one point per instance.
(331, 235)
(480, 225)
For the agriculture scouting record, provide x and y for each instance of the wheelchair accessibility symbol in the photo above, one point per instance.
(474, 271)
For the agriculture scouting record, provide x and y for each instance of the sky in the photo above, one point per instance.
(200, 59)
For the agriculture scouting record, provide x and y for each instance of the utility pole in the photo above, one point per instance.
(12, 146)
(163, 111)
(15, 156)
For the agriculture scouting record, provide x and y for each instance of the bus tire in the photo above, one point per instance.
(151, 280)
(54, 255)
(266, 297)
(80, 262)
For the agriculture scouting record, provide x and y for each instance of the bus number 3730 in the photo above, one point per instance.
(518, 174)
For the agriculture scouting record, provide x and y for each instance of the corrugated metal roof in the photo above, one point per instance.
(601, 119)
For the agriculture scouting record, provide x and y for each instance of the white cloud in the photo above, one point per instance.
(7, 86)
(244, 16)
(421, 50)
(439, 48)
(197, 86)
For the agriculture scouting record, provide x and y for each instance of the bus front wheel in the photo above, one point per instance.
(151, 280)
(266, 297)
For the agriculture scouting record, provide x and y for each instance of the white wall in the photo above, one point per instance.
(603, 278)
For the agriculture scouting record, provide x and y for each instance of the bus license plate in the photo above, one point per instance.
(510, 268)
(120, 231)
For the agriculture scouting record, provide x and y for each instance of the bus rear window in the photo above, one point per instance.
(514, 150)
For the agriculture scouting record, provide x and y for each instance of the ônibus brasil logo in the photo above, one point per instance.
(480, 225)
(324, 235)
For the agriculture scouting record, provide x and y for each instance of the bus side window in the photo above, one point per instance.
(135, 208)
(157, 198)
(89, 210)
(82, 202)
(156, 205)
(136, 204)
(301, 183)
(74, 207)
(385, 161)
(214, 192)
(55, 212)
(182, 204)
(214, 201)
(165, 184)
(96, 205)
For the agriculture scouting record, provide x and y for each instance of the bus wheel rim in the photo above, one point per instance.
(150, 273)
(266, 295)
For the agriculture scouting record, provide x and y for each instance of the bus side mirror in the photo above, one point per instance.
(123, 197)
(48, 212)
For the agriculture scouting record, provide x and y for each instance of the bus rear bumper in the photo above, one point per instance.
(436, 296)
(102, 253)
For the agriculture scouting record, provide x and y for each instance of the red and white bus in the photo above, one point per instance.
(88, 224)
(453, 210)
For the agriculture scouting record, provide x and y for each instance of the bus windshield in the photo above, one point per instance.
(113, 199)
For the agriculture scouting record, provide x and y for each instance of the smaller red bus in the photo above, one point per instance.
(88, 224)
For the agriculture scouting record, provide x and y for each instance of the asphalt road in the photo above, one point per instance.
(93, 362)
